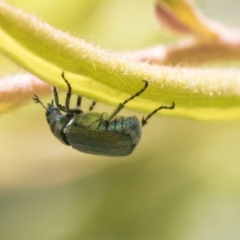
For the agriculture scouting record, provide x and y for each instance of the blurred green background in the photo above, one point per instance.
(181, 183)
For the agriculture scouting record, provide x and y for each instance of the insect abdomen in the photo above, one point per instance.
(119, 138)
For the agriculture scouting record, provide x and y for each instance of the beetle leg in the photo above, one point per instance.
(92, 105)
(56, 100)
(144, 120)
(79, 101)
(68, 98)
(121, 105)
(69, 94)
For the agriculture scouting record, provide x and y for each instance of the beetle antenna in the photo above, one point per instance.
(144, 120)
(37, 100)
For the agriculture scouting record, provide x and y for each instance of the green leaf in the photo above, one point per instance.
(208, 94)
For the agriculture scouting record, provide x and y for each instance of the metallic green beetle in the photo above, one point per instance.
(95, 133)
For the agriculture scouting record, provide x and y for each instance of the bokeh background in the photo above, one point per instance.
(181, 183)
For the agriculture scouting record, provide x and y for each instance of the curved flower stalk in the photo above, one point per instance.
(199, 92)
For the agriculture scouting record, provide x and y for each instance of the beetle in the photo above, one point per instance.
(95, 133)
